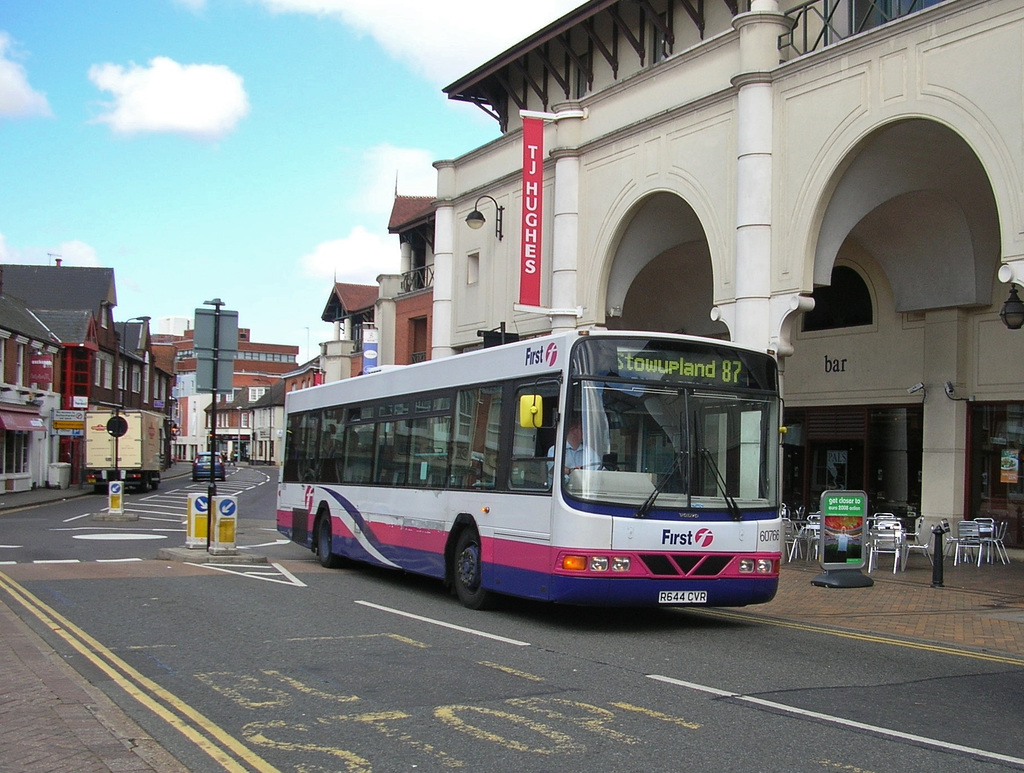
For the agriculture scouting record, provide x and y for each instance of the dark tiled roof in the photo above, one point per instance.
(410, 211)
(16, 317)
(60, 288)
(273, 396)
(71, 327)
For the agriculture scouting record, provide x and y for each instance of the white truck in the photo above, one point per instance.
(135, 457)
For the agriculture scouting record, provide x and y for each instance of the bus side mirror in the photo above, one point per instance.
(531, 411)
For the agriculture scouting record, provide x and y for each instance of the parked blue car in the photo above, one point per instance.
(201, 467)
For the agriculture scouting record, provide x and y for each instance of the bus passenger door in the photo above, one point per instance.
(522, 529)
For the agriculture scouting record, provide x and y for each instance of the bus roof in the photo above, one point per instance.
(520, 359)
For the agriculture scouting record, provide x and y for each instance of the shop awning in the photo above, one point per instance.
(21, 422)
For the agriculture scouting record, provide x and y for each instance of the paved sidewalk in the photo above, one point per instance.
(977, 608)
(51, 719)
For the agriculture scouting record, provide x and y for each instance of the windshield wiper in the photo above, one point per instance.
(648, 503)
(734, 509)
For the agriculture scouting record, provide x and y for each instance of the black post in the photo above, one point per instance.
(938, 531)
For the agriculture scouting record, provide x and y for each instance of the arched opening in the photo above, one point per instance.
(845, 302)
(903, 268)
(661, 278)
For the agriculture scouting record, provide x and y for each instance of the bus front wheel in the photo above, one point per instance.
(466, 572)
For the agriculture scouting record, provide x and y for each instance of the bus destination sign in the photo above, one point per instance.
(682, 363)
(705, 368)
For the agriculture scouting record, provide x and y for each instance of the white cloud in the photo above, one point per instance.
(358, 258)
(382, 166)
(70, 253)
(77, 253)
(441, 39)
(202, 101)
(17, 98)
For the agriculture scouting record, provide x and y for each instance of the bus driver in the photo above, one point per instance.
(577, 455)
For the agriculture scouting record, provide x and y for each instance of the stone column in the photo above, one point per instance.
(566, 210)
(944, 453)
(759, 55)
(444, 258)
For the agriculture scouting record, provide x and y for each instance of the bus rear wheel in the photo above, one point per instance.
(323, 544)
(466, 572)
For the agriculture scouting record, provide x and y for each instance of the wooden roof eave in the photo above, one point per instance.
(477, 87)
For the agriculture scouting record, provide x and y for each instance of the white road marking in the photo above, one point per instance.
(877, 730)
(443, 624)
(256, 572)
(119, 536)
(261, 545)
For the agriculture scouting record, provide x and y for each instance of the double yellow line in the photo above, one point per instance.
(220, 745)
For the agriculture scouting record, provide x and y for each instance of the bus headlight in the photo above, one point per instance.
(765, 566)
(620, 564)
(599, 563)
(746, 566)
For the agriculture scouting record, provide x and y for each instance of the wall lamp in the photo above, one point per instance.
(476, 219)
(1012, 313)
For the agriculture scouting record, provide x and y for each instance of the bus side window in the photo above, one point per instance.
(358, 450)
(308, 447)
(292, 448)
(428, 462)
(331, 447)
(475, 439)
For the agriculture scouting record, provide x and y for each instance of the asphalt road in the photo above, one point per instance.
(289, 666)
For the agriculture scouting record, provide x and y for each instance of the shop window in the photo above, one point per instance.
(846, 302)
(997, 459)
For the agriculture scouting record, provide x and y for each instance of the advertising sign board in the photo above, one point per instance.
(842, 539)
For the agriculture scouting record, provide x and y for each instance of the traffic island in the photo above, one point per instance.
(193, 556)
(122, 516)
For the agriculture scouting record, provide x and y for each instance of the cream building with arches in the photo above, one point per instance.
(840, 182)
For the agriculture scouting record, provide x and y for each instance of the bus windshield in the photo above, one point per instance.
(662, 442)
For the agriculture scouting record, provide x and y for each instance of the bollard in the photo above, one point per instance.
(938, 530)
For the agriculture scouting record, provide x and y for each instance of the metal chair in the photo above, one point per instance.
(913, 541)
(968, 541)
(791, 537)
(810, 533)
(886, 538)
(993, 541)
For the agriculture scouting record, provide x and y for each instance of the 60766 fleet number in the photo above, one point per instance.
(683, 597)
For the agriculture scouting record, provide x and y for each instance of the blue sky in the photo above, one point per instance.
(240, 149)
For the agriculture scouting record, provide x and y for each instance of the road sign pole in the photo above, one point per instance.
(215, 336)
(211, 490)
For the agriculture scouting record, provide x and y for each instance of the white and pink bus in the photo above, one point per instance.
(593, 467)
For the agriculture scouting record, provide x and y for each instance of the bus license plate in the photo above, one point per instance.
(683, 597)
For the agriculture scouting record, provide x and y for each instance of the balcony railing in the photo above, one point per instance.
(418, 279)
(820, 23)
